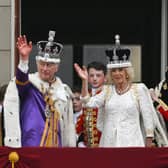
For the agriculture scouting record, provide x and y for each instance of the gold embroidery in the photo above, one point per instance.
(90, 131)
(21, 83)
(50, 133)
(161, 103)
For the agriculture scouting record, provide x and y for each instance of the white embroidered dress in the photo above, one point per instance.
(121, 119)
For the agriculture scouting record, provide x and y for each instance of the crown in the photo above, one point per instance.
(118, 56)
(49, 51)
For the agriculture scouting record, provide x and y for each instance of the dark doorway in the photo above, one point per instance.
(137, 22)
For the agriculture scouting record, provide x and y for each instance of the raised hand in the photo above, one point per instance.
(24, 47)
(82, 72)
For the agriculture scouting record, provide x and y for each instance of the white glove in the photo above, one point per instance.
(81, 145)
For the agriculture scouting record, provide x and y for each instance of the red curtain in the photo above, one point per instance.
(33, 157)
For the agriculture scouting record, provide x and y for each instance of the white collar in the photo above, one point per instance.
(77, 114)
(58, 91)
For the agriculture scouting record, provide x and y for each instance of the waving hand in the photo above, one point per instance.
(24, 47)
(82, 72)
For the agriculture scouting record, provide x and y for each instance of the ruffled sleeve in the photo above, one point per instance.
(96, 101)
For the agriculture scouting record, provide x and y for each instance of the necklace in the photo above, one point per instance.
(122, 91)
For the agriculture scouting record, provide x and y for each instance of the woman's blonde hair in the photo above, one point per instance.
(129, 75)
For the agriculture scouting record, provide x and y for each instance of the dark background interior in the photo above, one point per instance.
(137, 22)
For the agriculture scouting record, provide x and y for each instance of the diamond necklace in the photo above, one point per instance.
(124, 90)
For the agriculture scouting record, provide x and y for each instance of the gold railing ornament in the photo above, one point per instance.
(13, 157)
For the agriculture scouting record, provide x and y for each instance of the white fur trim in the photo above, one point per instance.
(11, 116)
(46, 59)
(119, 65)
(59, 90)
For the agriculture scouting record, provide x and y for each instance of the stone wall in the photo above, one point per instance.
(5, 41)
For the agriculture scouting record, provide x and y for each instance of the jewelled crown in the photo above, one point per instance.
(118, 56)
(49, 51)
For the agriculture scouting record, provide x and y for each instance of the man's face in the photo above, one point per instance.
(77, 103)
(96, 78)
(47, 70)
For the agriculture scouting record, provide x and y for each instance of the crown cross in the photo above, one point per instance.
(124, 57)
(115, 57)
(49, 51)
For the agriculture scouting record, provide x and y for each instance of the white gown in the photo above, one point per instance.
(121, 120)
